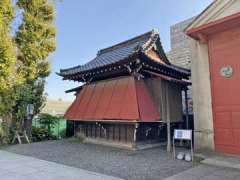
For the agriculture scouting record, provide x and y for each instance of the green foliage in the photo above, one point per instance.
(36, 37)
(1, 133)
(62, 133)
(23, 59)
(3, 138)
(48, 121)
(40, 134)
(6, 11)
(8, 67)
(35, 40)
(27, 94)
(7, 51)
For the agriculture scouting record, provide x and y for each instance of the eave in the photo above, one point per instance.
(76, 89)
(168, 70)
(202, 32)
(120, 69)
(107, 70)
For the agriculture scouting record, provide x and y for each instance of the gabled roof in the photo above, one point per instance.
(121, 58)
(219, 16)
(216, 10)
(118, 53)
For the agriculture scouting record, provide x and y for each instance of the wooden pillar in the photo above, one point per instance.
(119, 132)
(168, 120)
(126, 139)
(74, 134)
(91, 129)
(113, 131)
(186, 108)
(135, 132)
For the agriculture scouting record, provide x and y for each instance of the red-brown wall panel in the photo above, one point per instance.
(130, 105)
(147, 109)
(104, 100)
(93, 104)
(117, 101)
(84, 102)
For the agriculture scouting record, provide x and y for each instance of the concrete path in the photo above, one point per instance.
(18, 167)
(207, 172)
(223, 161)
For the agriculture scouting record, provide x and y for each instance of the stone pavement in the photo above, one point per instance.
(223, 161)
(207, 172)
(18, 167)
(214, 167)
(148, 164)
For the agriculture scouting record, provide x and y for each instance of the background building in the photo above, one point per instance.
(180, 53)
(56, 107)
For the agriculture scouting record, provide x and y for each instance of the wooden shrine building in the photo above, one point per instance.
(129, 92)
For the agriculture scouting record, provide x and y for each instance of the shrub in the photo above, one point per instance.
(63, 133)
(3, 139)
(40, 134)
(1, 134)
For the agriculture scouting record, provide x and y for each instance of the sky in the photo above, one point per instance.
(86, 26)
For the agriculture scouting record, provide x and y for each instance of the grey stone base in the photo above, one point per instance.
(127, 146)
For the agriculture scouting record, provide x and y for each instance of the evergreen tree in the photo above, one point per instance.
(35, 40)
(23, 59)
(7, 50)
(8, 67)
(36, 37)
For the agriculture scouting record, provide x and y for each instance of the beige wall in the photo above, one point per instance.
(218, 10)
(229, 9)
(202, 105)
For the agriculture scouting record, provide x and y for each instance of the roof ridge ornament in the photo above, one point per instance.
(127, 42)
(150, 43)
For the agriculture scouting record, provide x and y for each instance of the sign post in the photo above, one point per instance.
(182, 134)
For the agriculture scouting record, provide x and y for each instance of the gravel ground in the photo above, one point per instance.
(151, 164)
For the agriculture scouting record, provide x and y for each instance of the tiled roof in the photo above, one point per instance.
(115, 53)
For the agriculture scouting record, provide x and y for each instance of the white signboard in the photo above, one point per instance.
(182, 134)
(30, 109)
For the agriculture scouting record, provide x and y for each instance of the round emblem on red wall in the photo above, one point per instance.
(226, 71)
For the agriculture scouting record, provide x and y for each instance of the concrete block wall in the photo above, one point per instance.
(180, 53)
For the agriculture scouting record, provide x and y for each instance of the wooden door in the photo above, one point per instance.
(224, 55)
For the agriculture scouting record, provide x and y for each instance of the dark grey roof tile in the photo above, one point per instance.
(112, 54)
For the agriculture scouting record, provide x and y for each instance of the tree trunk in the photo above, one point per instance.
(28, 126)
(6, 125)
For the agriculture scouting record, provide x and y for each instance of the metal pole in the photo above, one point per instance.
(186, 108)
(174, 153)
(192, 151)
(58, 129)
